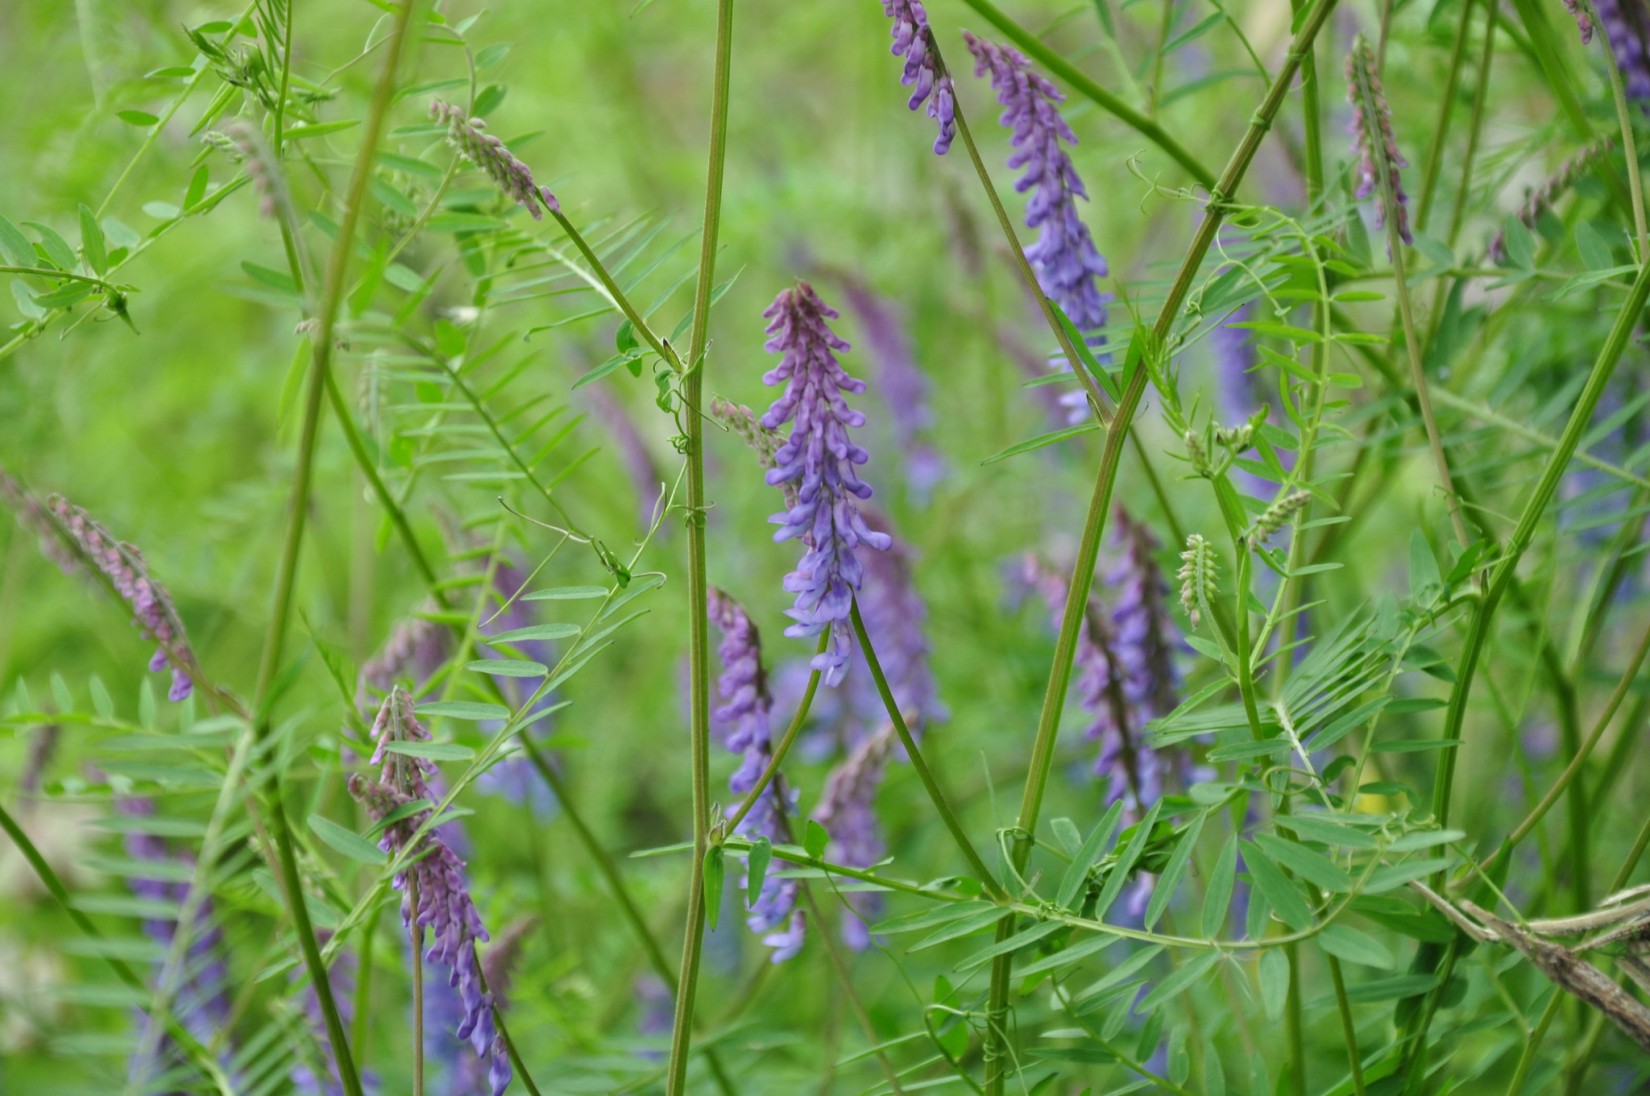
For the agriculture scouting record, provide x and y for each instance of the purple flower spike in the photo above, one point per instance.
(444, 903)
(896, 620)
(746, 711)
(1064, 255)
(1584, 20)
(123, 565)
(924, 75)
(1626, 24)
(820, 459)
(1372, 138)
(848, 812)
(470, 137)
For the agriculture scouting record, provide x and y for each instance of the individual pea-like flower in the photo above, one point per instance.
(746, 711)
(470, 137)
(435, 876)
(1626, 25)
(924, 74)
(847, 810)
(1064, 256)
(127, 572)
(1372, 139)
(821, 460)
(901, 383)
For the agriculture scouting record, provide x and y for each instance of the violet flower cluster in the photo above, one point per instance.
(924, 74)
(123, 565)
(1372, 138)
(746, 713)
(200, 1000)
(1626, 24)
(470, 137)
(1064, 256)
(1125, 662)
(1539, 200)
(848, 812)
(821, 461)
(444, 904)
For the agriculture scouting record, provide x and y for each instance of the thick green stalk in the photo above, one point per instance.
(338, 269)
(1077, 594)
(698, 611)
(1087, 87)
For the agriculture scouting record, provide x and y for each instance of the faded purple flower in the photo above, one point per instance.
(341, 977)
(896, 620)
(619, 428)
(470, 137)
(848, 812)
(1539, 200)
(924, 74)
(745, 713)
(123, 565)
(820, 459)
(1584, 20)
(444, 904)
(32, 515)
(900, 381)
(1372, 138)
(1064, 256)
(1626, 24)
(42, 748)
(415, 651)
(199, 998)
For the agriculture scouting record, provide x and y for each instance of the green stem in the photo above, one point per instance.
(698, 612)
(416, 938)
(1501, 578)
(924, 773)
(1048, 725)
(845, 979)
(784, 747)
(1104, 99)
(269, 665)
(1446, 104)
(1372, 114)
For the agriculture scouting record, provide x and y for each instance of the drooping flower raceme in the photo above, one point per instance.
(848, 812)
(1064, 256)
(1373, 141)
(746, 711)
(821, 461)
(470, 137)
(123, 565)
(444, 905)
(914, 41)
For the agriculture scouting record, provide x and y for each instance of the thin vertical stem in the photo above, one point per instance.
(698, 596)
(1077, 591)
(1446, 105)
(415, 936)
(924, 773)
(274, 641)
